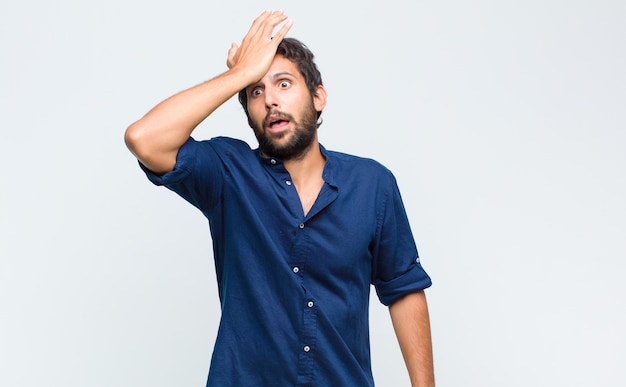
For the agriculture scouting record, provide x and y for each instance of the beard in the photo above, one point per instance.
(299, 140)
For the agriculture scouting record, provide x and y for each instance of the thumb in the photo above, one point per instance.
(232, 51)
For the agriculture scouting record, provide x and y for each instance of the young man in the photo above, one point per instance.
(299, 233)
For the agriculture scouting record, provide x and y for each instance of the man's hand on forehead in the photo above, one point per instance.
(258, 47)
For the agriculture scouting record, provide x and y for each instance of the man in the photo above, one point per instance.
(299, 233)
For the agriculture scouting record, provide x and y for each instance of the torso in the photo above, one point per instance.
(309, 193)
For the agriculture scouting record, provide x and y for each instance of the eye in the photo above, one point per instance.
(256, 92)
(284, 84)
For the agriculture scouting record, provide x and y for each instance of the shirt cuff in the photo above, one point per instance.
(413, 280)
(185, 159)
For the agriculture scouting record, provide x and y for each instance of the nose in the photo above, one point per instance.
(271, 99)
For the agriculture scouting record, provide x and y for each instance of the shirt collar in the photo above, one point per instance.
(329, 166)
(327, 174)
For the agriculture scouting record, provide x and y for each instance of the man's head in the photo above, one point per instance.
(284, 107)
(297, 52)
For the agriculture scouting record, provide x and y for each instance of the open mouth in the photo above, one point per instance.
(276, 122)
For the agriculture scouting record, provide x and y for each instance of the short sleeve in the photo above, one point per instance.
(196, 176)
(397, 269)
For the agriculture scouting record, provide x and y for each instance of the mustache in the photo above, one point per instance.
(276, 112)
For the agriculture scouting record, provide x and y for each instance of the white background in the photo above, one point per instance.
(503, 121)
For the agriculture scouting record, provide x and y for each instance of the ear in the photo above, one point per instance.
(319, 98)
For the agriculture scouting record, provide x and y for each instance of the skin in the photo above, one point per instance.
(271, 99)
(282, 90)
(411, 323)
(276, 93)
(156, 137)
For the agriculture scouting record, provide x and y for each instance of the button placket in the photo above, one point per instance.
(307, 341)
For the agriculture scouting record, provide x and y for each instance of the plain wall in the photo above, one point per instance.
(503, 121)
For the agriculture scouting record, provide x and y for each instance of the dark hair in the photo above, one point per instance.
(297, 52)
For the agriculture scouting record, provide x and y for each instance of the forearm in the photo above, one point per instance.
(156, 138)
(412, 326)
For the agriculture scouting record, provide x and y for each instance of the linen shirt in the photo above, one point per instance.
(294, 288)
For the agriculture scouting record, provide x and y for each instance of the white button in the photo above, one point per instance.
(288, 182)
(310, 304)
(273, 161)
(307, 348)
(301, 225)
(417, 260)
(296, 269)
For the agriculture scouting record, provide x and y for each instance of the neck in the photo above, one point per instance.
(306, 174)
(308, 165)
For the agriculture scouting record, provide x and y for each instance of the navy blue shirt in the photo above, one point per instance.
(294, 289)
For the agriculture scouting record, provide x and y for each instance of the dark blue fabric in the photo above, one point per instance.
(294, 289)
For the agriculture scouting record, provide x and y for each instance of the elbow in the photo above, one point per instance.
(134, 138)
(141, 142)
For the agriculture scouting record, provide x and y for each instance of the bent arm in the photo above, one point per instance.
(156, 138)
(411, 323)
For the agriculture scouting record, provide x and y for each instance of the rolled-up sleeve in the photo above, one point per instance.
(397, 269)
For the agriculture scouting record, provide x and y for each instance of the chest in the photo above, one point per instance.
(308, 193)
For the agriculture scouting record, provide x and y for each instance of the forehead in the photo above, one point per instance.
(281, 66)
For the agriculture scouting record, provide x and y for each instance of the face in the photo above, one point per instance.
(283, 114)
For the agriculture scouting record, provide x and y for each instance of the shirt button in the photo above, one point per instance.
(288, 182)
(296, 269)
(306, 348)
(273, 161)
(310, 304)
(301, 225)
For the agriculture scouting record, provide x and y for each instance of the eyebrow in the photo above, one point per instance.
(282, 74)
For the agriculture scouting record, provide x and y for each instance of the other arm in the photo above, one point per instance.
(411, 323)
(156, 138)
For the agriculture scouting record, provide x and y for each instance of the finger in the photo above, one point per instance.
(232, 51)
(256, 24)
(282, 32)
(272, 22)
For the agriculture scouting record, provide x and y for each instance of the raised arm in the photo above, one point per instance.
(411, 323)
(156, 137)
